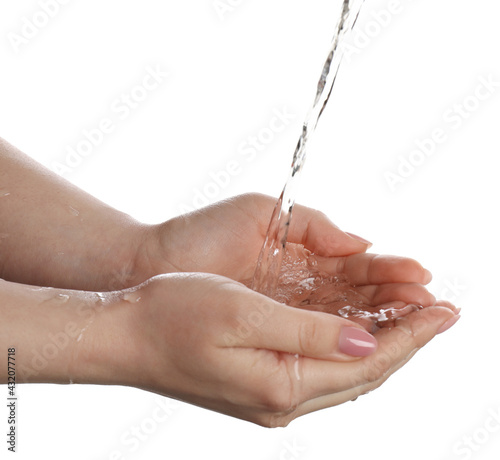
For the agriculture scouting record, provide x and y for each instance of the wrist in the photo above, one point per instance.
(108, 352)
(125, 255)
(152, 252)
(120, 265)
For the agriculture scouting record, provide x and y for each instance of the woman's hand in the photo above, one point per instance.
(226, 238)
(212, 342)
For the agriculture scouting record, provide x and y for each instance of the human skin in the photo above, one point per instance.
(92, 296)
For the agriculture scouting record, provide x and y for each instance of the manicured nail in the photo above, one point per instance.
(428, 276)
(356, 237)
(448, 324)
(356, 342)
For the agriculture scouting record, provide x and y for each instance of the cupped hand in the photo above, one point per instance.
(226, 238)
(212, 342)
(207, 339)
(369, 289)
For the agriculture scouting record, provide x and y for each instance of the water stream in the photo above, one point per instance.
(271, 256)
(289, 273)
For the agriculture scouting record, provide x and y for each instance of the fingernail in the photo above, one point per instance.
(356, 342)
(448, 324)
(356, 237)
(428, 276)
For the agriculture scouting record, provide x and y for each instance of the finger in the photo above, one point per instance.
(395, 345)
(448, 304)
(342, 397)
(377, 295)
(277, 327)
(363, 269)
(425, 328)
(321, 236)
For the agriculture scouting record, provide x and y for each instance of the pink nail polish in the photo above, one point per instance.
(448, 324)
(356, 237)
(356, 342)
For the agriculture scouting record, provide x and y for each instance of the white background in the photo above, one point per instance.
(228, 72)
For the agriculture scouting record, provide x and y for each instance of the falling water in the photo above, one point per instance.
(268, 269)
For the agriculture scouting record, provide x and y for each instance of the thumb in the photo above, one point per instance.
(278, 327)
(321, 236)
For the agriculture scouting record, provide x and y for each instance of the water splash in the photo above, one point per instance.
(270, 259)
(303, 284)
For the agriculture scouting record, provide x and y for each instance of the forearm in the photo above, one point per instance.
(43, 325)
(54, 234)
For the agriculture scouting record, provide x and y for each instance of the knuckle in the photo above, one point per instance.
(277, 401)
(275, 421)
(311, 340)
(320, 215)
(253, 198)
(413, 267)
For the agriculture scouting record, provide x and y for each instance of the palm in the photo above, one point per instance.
(225, 239)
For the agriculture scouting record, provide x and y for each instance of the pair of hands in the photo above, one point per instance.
(196, 333)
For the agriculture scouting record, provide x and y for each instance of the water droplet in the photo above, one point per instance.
(83, 330)
(74, 212)
(296, 367)
(101, 296)
(4, 193)
(62, 298)
(132, 297)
